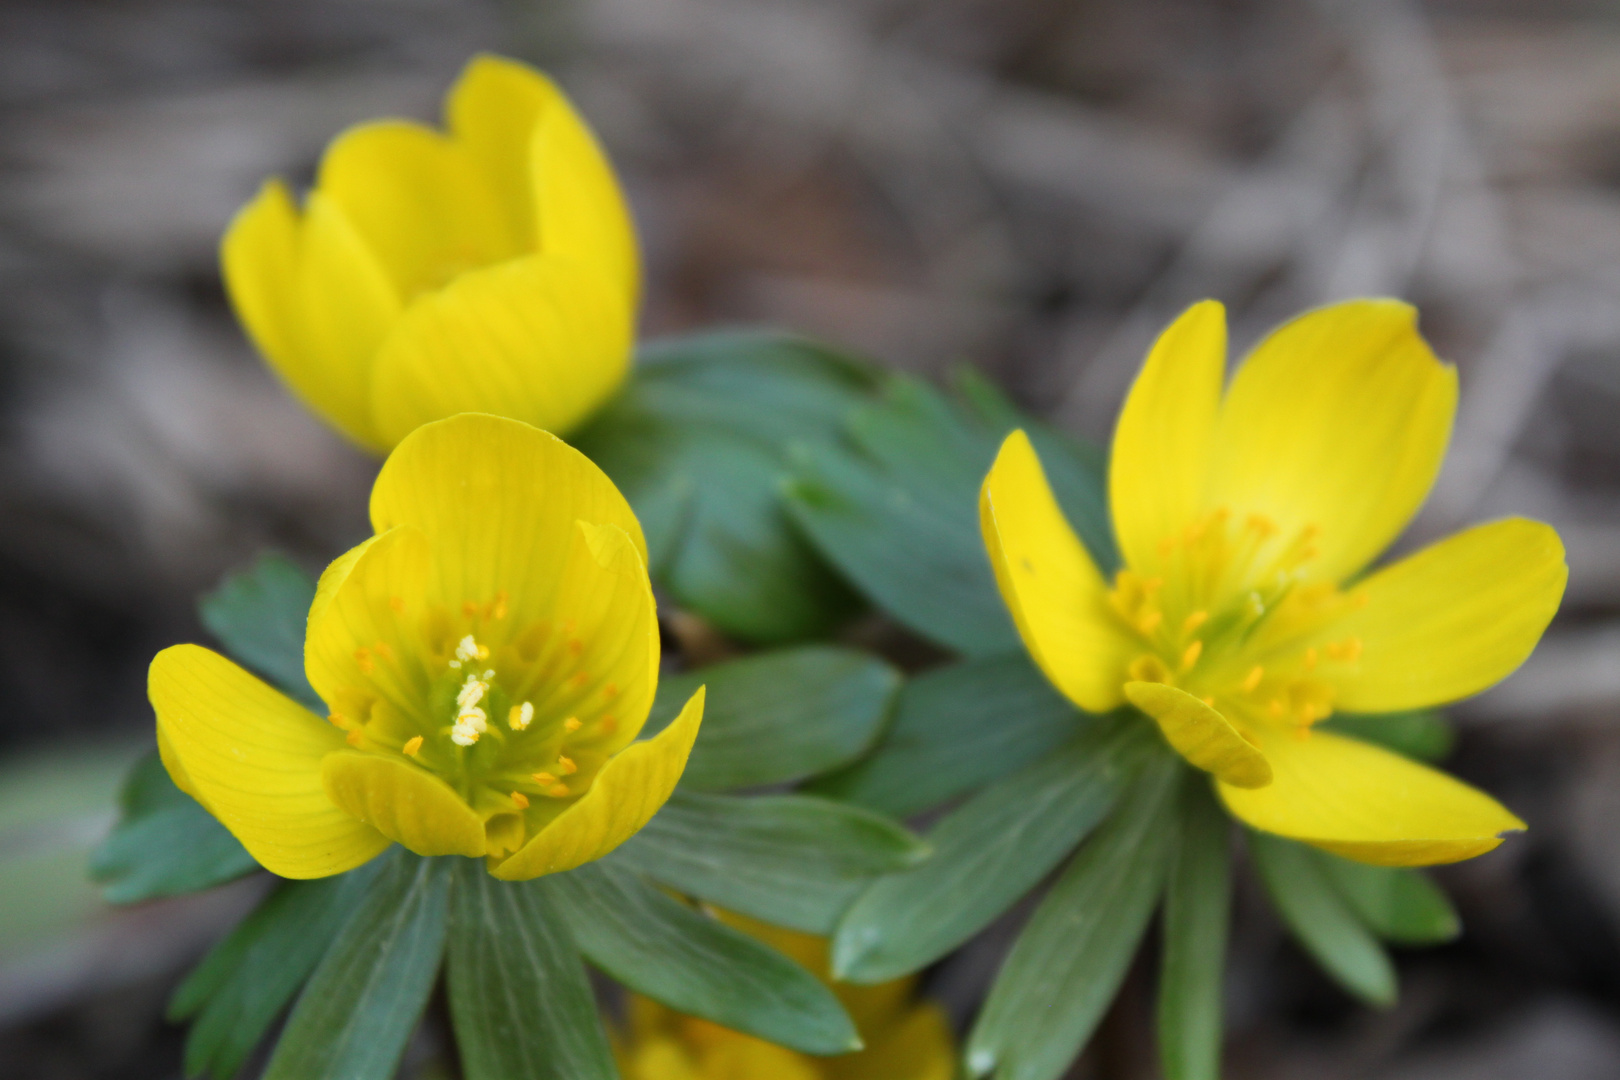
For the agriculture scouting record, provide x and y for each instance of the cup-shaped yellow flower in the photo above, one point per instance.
(490, 267)
(905, 1039)
(1245, 612)
(488, 657)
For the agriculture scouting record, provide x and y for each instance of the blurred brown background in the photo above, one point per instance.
(1030, 185)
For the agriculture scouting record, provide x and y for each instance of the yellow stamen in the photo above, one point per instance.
(557, 791)
(1194, 621)
(1190, 657)
(1310, 659)
(521, 716)
(338, 720)
(468, 608)
(1150, 621)
(610, 691)
(610, 724)
(362, 657)
(544, 778)
(1252, 679)
(578, 679)
(572, 724)
(353, 738)
(566, 765)
(521, 799)
(498, 609)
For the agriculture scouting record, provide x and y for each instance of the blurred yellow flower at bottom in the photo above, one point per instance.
(906, 1039)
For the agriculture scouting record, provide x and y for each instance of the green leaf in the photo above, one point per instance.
(895, 508)
(1425, 734)
(165, 843)
(988, 853)
(353, 1018)
(1070, 959)
(258, 615)
(1321, 920)
(781, 716)
(698, 442)
(519, 996)
(1398, 904)
(695, 964)
(789, 860)
(248, 978)
(1197, 905)
(957, 728)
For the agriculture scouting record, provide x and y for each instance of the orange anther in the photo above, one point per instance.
(566, 766)
(544, 778)
(353, 738)
(521, 800)
(557, 791)
(412, 745)
(572, 724)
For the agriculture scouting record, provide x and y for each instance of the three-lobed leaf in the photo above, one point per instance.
(779, 716)
(987, 853)
(791, 860)
(695, 964)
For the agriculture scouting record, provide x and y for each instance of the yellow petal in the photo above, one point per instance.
(919, 1047)
(542, 339)
(492, 111)
(1051, 586)
(1201, 734)
(734, 1056)
(579, 207)
(352, 612)
(346, 308)
(1450, 620)
(403, 802)
(604, 597)
(498, 500)
(1161, 445)
(253, 756)
(420, 201)
(628, 791)
(259, 261)
(1339, 419)
(1366, 803)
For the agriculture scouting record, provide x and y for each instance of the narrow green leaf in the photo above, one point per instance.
(988, 853)
(698, 442)
(790, 860)
(1425, 734)
(258, 614)
(356, 1012)
(895, 508)
(779, 716)
(1070, 959)
(956, 728)
(249, 977)
(1398, 904)
(1197, 905)
(165, 843)
(519, 996)
(695, 964)
(1321, 920)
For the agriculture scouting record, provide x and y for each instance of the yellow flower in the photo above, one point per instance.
(1245, 613)
(491, 267)
(488, 657)
(905, 1039)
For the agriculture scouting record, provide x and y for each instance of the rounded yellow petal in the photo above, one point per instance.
(498, 501)
(492, 111)
(1161, 445)
(1452, 619)
(1201, 734)
(420, 201)
(628, 791)
(403, 802)
(543, 339)
(1338, 420)
(579, 208)
(1366, 803)
(259, 261)
(346, 309)
(253, 757)
(1052, 588)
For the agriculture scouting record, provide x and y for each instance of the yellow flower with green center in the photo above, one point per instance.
(1246, 614)
(488, 658)
(905, 1039)
(490, 267)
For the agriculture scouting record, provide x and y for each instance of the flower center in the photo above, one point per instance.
(1232, 617)
(508, 715)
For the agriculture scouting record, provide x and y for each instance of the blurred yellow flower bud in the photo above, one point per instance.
(490, 267)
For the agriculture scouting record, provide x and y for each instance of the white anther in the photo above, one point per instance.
(523, 717)
(467, 648)
(471, 693)
(462, 736)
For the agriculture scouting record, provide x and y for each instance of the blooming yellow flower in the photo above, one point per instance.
(905, 1039)
(1245, 612)
(491, 267)
(488, 657)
